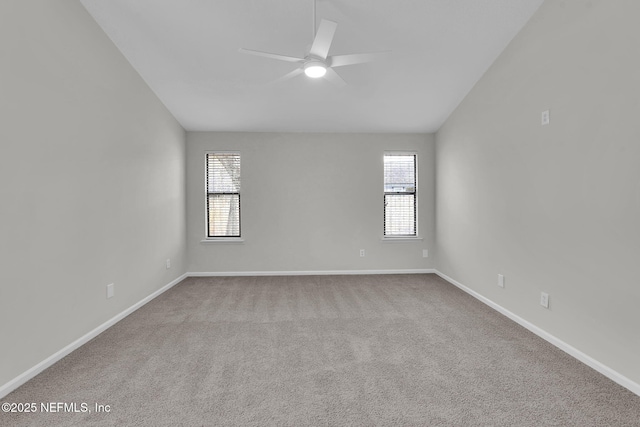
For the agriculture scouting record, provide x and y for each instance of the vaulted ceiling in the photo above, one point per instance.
(187, 52)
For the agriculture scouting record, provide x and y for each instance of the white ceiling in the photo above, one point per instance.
(187, 52)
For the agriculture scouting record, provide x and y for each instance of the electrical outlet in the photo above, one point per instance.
(168, 263)
(544, 299)
(362, 252)
(501, 280)
(545, 119)
(110, 290)
(425, 253)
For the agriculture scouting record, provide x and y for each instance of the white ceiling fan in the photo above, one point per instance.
(317, 63)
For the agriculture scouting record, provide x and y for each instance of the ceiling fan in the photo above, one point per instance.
(317, 63)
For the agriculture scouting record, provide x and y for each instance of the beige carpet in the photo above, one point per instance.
(399, 350)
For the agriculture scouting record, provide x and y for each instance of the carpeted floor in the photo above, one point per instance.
(396, 350)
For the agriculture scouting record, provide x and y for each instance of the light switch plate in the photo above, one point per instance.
(546, 117)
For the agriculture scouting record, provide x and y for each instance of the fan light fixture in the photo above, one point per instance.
(315, 69)
(317, 63)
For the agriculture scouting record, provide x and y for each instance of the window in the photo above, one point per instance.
(223, 194)
(400, 195)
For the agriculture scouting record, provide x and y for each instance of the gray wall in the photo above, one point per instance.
(554, 208)
(91, 182)
(309, 202)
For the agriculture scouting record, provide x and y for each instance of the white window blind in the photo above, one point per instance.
(400, 195)
(223, 194)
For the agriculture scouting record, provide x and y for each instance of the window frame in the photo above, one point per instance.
(400, 237)
(223, 239)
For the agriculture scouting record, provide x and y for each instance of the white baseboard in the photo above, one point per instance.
(306, 273)
(32, 372)
(572, 351)
(26, 376)
(589, 361)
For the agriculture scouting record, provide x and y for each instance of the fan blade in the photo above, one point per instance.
(272, 55)
(287, 76)
(324, 37)
(356, 58)
(334, 78)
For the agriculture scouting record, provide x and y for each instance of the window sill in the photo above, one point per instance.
(225, 240)
(401, 239)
